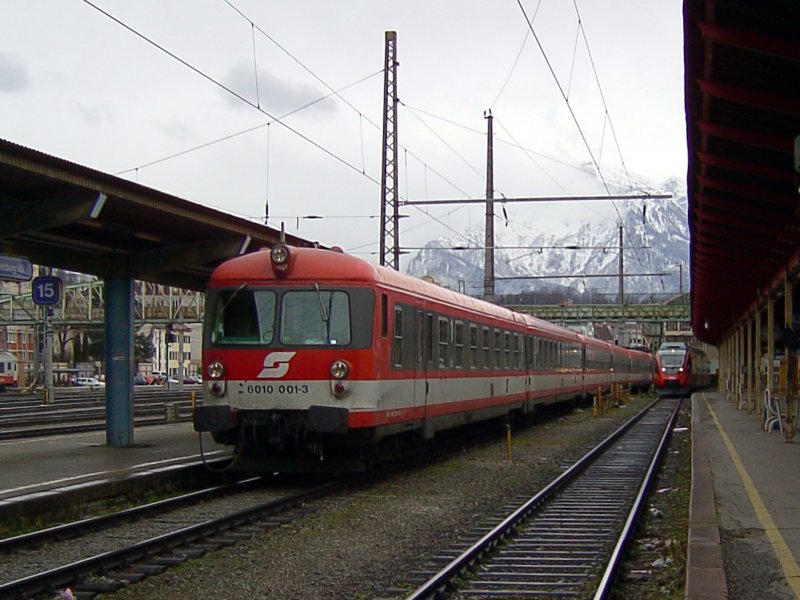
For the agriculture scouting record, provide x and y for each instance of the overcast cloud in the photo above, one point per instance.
(77, 84)
(13, 76)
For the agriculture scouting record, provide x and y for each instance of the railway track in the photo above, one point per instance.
(568, 540)
(148, 539)
(79, 411)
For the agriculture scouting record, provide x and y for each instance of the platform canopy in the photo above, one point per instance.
(60, 214)
(742, 86)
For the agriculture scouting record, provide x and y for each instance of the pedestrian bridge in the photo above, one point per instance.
(608, 313)
(83, 304)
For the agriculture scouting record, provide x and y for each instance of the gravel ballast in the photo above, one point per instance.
(362, 545)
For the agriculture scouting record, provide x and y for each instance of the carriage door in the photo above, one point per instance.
(423, 330)
(584, 382)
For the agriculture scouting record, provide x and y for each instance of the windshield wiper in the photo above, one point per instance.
(233, 295)
(326, 316)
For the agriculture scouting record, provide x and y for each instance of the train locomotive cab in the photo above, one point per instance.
(673, 369)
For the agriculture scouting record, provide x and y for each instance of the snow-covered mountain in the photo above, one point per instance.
(655, 240)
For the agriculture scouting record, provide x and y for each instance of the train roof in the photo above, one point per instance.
(316, 264)
(672, 346)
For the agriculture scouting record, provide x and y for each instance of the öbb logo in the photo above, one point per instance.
(276, 365)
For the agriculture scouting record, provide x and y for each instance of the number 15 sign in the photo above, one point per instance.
(46, 290)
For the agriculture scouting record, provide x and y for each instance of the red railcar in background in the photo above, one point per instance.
(681, 369)
(9, 370)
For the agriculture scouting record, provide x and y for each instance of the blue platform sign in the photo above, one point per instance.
(15, 268)
(46, 290)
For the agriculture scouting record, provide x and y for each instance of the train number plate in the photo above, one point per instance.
(252, 388)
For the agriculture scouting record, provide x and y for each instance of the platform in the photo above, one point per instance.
(43, 468)
(744, 534)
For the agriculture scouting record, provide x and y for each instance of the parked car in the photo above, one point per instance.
(139, 379)
(90, 382)
(192, 379)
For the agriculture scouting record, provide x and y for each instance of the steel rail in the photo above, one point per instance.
(604, 587)
(76, 528)
(439, 584)
(151, 552)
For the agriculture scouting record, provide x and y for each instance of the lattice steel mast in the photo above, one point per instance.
(390, 218)
(488, 262)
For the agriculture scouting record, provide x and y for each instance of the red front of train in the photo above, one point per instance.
(680, 369)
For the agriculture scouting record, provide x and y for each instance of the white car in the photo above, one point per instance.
(90, 382)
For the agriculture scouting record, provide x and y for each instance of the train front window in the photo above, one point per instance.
(315, 318)
(244, 316)
(671, 360)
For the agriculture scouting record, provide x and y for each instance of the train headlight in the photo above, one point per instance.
(663, 369)
(279, 255)
(339, 369)
(215, 370)
(680, 369)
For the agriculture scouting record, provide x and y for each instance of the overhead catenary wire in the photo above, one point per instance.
(274, 119)
(250, 129)
(232, 92)
(608, 120)
(257, 106)
(565, 98)
(516, 59)
(338, 95)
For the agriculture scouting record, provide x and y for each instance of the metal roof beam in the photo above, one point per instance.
(744, 136)
(746, 167)
(26, 217)
(745, 40)
(738, 229)
(749, 97)
(737, 210)
(750, 192)
(179, 255)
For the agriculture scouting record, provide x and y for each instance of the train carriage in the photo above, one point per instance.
(311, 353)
(9, 370)
(681, 369)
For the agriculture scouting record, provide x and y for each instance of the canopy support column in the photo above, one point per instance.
(119, 361)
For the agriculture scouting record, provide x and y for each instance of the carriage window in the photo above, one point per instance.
(473, 346)
(487, 348)
(459, 343)
(498, 348)
(444, 341)
(315, 318)
(244, 317)
(397, 340)
(507, 348)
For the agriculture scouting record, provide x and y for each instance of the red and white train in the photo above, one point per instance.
(315, 359)
(681, 369)
(9, 370)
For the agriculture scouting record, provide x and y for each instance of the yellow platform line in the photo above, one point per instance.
(782, 552)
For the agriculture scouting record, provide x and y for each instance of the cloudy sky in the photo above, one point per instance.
(236, 104)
